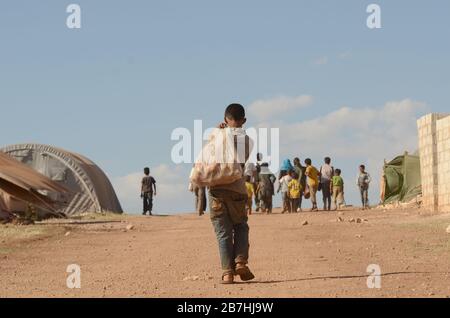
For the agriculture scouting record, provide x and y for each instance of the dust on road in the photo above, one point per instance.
(177, 256)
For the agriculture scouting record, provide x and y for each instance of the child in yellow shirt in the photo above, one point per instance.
(313, 182)
(250, 191)
(294, 191)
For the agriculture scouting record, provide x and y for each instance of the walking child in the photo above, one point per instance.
(326, 174)
(313, 182)
(265, 188)
(283, 183)
(363, 180)
(300, 171)
(295, 192)
(148, 190)
(259, 158)
(250, 189)
(228, 208)
(337, 188)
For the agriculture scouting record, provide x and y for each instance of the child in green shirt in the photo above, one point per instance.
(337, 188)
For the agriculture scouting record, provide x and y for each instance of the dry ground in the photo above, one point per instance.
(176, 256)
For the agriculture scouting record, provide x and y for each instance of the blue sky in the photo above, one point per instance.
(115, 89)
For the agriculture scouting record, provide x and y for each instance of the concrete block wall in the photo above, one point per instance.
(443, 163)
(434, 160)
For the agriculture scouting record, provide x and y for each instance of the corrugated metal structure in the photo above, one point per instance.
(90, 189)
(21, 185)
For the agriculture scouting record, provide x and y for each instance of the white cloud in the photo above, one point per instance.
(172, 186)
(349, 132)
(265, 109)
(345, 55)
(321, 60)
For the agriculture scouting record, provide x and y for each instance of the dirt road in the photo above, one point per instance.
(176, 256)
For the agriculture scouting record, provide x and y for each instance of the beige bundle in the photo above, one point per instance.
(220, 161)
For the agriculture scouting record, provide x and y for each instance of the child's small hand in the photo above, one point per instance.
(222, 125)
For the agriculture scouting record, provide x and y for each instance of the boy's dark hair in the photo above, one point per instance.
(247, 178)
(338, 172)
(296, 160)
(363, 167)
(308, 161)
(147, 171)
(294, 175)
(327, 160)
(235, 111)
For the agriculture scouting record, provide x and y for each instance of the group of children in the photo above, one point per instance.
(295, 182)
(291, 191)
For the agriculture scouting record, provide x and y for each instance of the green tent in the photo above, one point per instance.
(401, 180)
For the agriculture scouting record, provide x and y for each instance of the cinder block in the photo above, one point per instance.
(434, 150)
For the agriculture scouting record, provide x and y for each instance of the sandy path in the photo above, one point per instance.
(162, 256)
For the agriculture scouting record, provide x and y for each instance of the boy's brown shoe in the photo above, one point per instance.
(227, 279)
(244, 272)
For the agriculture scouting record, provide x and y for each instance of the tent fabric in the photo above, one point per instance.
(401, 180)
(90, 189)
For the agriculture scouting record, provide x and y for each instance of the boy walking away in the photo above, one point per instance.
(295, 192)
(148, 189)
(250, 189)
(337, 188)
(265, 188)
(259, 158)
(326, 174)
(300, 171)
(363, 180)
(313, 182)
(228, 207)
(283, 183)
